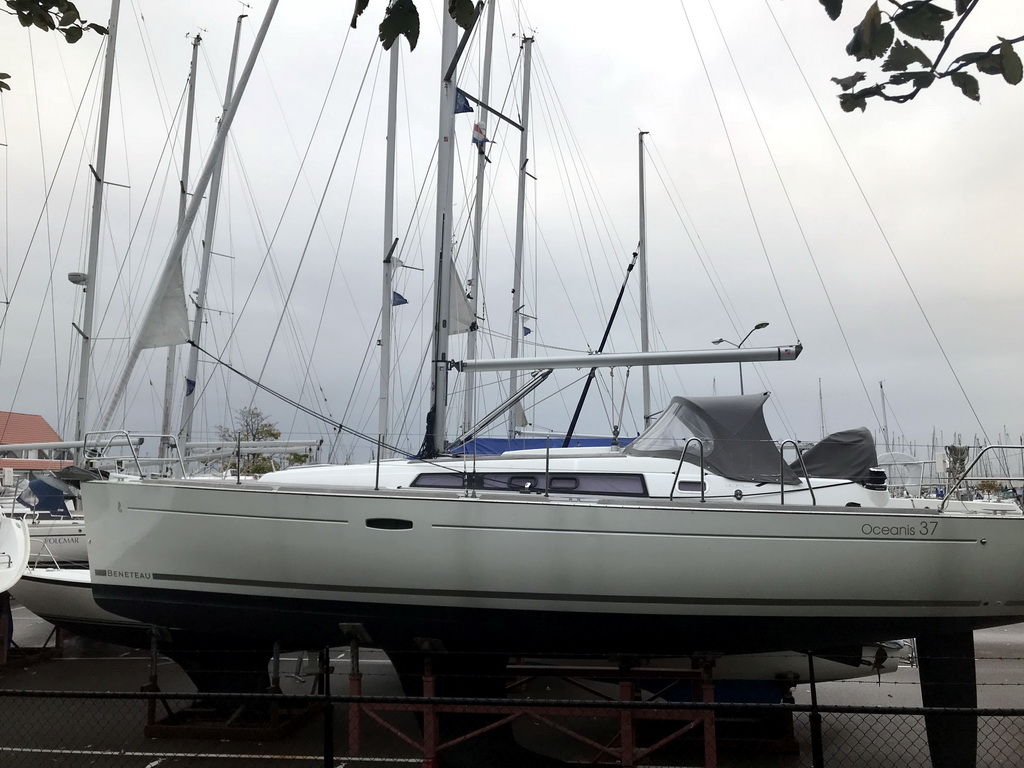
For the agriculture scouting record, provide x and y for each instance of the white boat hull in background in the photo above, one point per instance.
(14, 551)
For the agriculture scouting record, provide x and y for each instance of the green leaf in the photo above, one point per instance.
(72, 34)
(463, 11)
(401, 18)
(970, 58)
(871, 38)
(847, 83)
(99, 29)
(968, 84)
(1012, 70)
(990, 64)
(833, 8)
(902, 55)
(858, 99)
(4, 76)
(69, 16)
(922, 20)
(43, 20)
(358, 11)
(4, 87)
(851, 101)
(920, 80)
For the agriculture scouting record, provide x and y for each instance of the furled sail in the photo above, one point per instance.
(166, 320)
(460, 312)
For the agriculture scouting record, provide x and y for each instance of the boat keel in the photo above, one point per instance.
(949, 679)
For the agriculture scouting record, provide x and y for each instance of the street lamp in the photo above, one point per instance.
(757, 327)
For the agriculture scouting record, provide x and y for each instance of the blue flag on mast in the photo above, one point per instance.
(398, 299)
(462, 102)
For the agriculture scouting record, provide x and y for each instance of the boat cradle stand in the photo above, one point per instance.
(14, 655)
(252, 719)
(624, 749)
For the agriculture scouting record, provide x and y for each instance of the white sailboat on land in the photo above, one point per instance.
(489, 572)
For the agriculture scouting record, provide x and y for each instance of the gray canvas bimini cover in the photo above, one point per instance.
(736, 441)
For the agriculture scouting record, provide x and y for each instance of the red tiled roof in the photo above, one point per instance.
(20, 464)
(25, 428)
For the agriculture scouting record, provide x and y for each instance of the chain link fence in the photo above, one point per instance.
(159, 730)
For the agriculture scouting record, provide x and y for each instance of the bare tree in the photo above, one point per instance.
(252, 425)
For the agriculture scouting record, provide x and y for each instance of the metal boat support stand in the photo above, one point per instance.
(263, 722)
(153, 686)
(628, 753)
(14, 655)
(356, 635)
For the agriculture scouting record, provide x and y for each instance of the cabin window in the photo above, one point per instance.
(438, 480)
(690, 486)
(564, 482)
(592, 483)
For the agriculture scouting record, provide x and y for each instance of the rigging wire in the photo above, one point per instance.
(43, 215)
(335, 267)
(268, 263)
(125, 277)
(878, 224)
(309, 372)
(739, 172)
(796, 219)
(337, 425)
(317, 215)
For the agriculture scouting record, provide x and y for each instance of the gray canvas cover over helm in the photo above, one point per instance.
(732, 430)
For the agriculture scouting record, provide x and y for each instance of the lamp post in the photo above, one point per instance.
(757, 327)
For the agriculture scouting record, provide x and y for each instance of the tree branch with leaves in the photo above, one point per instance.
(49, 15)
(402, 18)
(888, 34)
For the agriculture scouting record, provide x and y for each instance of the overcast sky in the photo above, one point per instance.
(887, 242)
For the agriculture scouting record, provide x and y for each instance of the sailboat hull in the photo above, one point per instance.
(525, 574)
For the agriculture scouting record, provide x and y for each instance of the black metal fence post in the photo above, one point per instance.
(325, 676)
(817, 751)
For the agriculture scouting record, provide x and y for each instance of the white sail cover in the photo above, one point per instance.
(166, 320)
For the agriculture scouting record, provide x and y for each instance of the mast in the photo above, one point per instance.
(169, 282)
(478, 215)
(94, 230)
(387, 292)
(517, 274)
(188, 403)
(434, 439)
(885, 418)
(645, 342)
(186, 157)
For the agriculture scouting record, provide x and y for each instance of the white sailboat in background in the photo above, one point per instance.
(15, 550)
